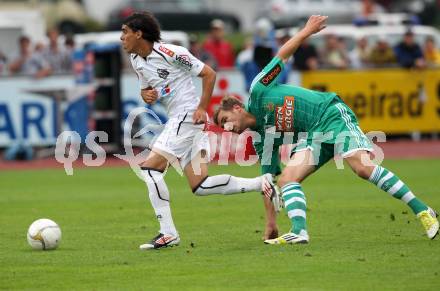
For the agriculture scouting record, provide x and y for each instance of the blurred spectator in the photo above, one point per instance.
(306, 57)
(199, 52)
(39, 48)
(370, 7)
(382, 54)
(28, 63)
(258, 52)
(265, 34)
(177, 42)
(386, 4)
(57, 56)
(218, 47)
(246, 63)
(38, 53)
(265, 43)
(408, 52)
(282, 37)
(334, 55)
(3, 61)
(360, 54)
(431, 53)
(69, 44)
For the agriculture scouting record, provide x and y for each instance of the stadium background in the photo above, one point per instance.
(360, 240)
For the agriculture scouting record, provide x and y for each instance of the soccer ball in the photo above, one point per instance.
(44, 234)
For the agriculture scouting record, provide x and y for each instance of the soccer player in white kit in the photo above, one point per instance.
(165, 72)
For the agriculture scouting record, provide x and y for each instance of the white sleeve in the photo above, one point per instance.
(184, 60)
(142, 82)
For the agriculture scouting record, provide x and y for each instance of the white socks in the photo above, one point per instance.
(160, 197)
(227, 184)
(220, 184)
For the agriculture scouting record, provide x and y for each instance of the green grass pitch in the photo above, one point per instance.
(361, 239)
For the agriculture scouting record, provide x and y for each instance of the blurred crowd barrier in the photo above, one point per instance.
(395, 101)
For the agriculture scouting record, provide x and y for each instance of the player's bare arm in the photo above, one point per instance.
(315, 24)
(208, 76)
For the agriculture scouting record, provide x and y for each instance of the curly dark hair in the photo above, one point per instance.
(145, 22)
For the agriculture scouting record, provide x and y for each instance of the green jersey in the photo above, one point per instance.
(285, 108)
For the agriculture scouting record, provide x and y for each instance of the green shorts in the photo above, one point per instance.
(336, 133)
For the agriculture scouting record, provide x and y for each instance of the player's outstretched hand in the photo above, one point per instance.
(149, 95)
(200, 116)
(315, 24)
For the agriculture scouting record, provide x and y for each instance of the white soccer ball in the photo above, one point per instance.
(44, 234)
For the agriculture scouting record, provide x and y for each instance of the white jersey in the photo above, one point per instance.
(169, 69)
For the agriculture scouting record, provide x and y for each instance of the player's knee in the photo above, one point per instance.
(155, 161)
(198, 190)
(363, 172)
(287, 178)
(152, 176)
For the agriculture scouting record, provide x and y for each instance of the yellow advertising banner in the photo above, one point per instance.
(394, 101)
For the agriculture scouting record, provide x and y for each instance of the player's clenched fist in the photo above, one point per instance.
(149, 95)
(199, 116)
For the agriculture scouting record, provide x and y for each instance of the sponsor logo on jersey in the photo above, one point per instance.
(165, 90)
(184, 60)
(166, 51)
(270, 106)
(284, 115)
(162, 73)
(271, 75)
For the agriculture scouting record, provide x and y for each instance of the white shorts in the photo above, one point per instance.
(183, 139)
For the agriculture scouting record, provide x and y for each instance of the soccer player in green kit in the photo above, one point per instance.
(321, 125)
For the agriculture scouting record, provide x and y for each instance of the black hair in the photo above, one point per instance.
(145, 22)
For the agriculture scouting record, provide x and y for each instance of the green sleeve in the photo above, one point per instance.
(268, 76)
